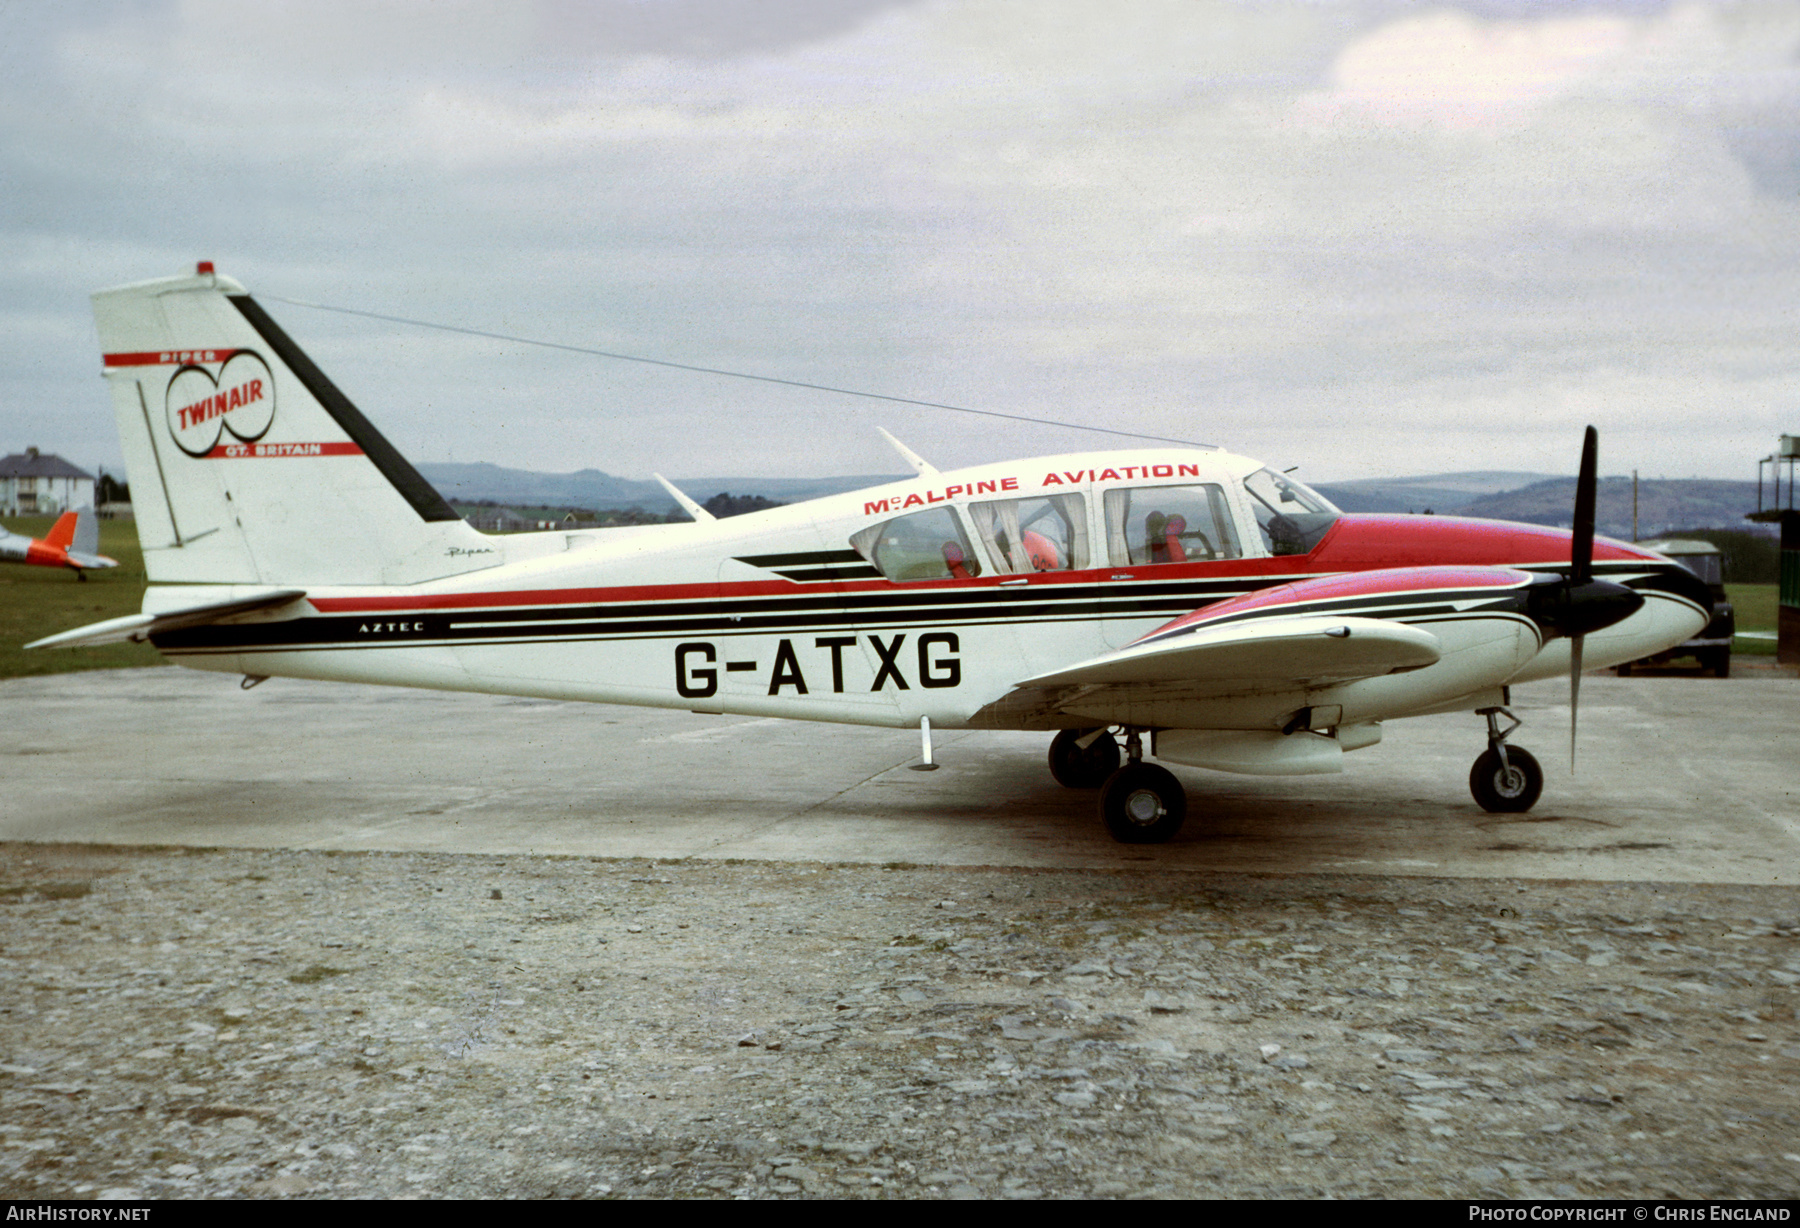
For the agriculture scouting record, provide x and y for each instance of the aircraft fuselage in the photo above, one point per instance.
(929, 598)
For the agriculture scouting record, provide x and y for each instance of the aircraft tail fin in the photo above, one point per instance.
(248, 465)
(62, 533)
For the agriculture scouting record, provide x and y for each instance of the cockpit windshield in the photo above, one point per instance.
(1293, 517)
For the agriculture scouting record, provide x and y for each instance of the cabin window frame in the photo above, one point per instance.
(868, 543)
(1303, 530)
(992, 518)
(1225, 541)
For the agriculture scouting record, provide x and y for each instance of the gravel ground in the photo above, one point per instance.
(189, 1024)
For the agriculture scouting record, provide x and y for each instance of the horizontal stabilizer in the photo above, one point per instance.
(143, 626)
(1305, 649)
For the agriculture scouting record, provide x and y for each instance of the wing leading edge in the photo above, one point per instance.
(1348, 649)
(1278, 652)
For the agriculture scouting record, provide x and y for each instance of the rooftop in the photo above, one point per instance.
(33, 464)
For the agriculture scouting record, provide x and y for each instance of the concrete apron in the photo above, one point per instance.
(1682, 779)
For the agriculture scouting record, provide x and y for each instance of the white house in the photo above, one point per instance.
(32, 484)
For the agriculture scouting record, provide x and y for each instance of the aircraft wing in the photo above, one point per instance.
(1247, 661)
(143, 626)
(1278, 653)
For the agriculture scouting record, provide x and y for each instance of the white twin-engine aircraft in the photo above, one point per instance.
(1192, 603)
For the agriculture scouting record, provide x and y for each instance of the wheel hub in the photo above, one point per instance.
(1144, 808)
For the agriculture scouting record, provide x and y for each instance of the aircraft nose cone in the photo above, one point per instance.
(1599, 604)
(1580, 609)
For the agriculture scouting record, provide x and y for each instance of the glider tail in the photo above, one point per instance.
(248, 465)
(62, 533)
(74, 541)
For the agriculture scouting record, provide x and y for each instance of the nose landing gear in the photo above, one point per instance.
(1505, 779)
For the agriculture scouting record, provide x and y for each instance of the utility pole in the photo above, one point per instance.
(1634, 531)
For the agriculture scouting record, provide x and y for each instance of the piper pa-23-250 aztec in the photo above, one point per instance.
(1205, 609)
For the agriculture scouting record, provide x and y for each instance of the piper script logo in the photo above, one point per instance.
(240, 402)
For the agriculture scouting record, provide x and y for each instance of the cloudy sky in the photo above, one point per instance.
(1366, 238)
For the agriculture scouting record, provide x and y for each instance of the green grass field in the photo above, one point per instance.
(1755, 608)
(40, 601)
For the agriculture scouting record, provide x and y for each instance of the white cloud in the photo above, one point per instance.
(1455, 67)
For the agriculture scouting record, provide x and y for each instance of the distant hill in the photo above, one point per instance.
(1445, 493)
(1665, 505)
(592, 488)
(787, 490)
(584, 488)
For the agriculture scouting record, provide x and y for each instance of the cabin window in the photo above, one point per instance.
(1042, 534)
(1293, 517)
(1170, 524)
(927, 545)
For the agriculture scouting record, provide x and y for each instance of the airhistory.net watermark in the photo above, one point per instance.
(55, 1212)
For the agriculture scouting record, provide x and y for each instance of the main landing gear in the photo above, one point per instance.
(1083, 758)
(1505, 779)
(1140, 803)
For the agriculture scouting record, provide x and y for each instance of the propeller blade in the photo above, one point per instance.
(1582, 551)
(1581, 567)
(1574, 694)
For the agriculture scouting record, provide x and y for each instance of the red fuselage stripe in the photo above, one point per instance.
(1355, 544)
(586, 596)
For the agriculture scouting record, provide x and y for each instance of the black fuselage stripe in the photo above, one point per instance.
(1378, 605)
(807, 575)
(800, 558)
(798, 616)
(988, 602)
(192, 646)
(590, 637)
(339, 632)
(421, 634)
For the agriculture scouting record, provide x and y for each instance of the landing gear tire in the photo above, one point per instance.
(1506, 788)
(1075, 768)
(1721, 663)
(1143, 804)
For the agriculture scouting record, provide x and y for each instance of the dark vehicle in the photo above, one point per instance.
(1712, 647)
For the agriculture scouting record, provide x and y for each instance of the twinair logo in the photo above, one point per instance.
(239, 401)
